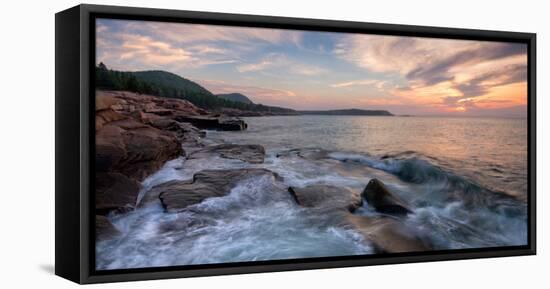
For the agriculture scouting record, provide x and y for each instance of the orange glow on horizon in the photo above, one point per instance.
(514, 94)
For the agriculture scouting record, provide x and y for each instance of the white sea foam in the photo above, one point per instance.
(259, 220)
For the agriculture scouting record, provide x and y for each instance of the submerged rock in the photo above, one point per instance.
(326, 196)
(305, 153)
(104, 229)
(386, 234)
(253, 154)
(389, 235)
(384, 201)
(177, 195)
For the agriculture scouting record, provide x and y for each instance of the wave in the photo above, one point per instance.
(407, 166)
(414, 168)
(458, 212)
(258, 219)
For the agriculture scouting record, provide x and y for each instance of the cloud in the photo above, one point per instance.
(425, 59)
(100, 28)
(481, 84)
(441, 69)
(280, 62)
(194, 33)
(133, 51)
(379, 84)
(264, 64)
(300, 67)
(202, 49)
(378, 53)
(307, 70)
(134, 45)
(438, 72)
(151, 51)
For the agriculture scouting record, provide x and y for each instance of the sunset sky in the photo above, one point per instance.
(322, 70)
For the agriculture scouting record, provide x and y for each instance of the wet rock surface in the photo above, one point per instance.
(177, 195)
(253, 154)
(386, 234)
(136, 134)
(389, 235)
(383, 200)
(104, 229)
(326, 196)
(115, 191)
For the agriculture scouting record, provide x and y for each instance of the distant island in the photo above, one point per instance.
(352, 111)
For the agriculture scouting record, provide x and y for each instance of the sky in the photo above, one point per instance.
(326, 70)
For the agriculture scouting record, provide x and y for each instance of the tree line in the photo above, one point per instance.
(109, 79)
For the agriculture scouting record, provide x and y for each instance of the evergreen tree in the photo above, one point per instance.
(164, 84)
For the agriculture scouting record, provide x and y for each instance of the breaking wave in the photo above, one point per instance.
(474, 202)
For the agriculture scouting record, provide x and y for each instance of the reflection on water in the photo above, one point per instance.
(491, 151)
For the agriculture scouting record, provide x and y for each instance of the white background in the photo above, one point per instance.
(27, 144)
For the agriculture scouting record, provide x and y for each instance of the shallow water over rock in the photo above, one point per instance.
(257, 218)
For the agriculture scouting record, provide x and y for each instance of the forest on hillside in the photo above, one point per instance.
(166, 84)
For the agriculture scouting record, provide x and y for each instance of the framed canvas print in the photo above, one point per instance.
(193, 144)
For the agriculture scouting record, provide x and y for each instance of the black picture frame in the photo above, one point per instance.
(74, 123)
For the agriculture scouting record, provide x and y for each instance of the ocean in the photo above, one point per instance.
(464, 178)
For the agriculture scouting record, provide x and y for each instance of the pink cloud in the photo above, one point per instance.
(446, 72)
(277, 60)
(186, 33)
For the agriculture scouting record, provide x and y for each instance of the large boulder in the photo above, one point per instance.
(115, 191)
(134, 148)
(389, 235)
(326, 196)
(147, 149)
(110, 148)
(104, 229)
(383, 200)
(177, 195)
(253, 154)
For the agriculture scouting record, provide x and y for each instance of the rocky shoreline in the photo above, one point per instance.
(137, 134)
